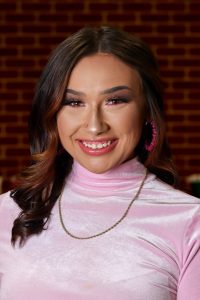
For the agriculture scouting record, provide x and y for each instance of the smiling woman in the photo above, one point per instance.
(102, 117)
(96, 214)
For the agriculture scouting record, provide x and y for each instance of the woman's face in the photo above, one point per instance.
(102, 117)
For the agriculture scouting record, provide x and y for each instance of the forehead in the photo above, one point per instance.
(101, 71)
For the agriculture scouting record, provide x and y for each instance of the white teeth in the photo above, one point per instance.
(97, 146)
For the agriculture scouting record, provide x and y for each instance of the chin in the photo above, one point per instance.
(100, 167)
(97, 168)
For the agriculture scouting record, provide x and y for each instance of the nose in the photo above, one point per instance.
(96, 123)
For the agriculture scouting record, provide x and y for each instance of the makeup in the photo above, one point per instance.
(96, 148)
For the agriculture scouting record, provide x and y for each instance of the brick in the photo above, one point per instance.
(195, 51)
(162, 62)
(42, 62)
(194, 162)
(8, 118)
(194, 96)
(8, 51)
(16, 129)
(31, 73)
(51, 40)
(30, 6)
(172, 74)
(17, 151)
(8, 74)
(24, 119)
(185, 151)
(194, 118)
(192, 140)
(155, 17)
(195, 73)
(175, 118)
(18, 107)
(78, 6)
(136, 6)
(120, 17)
(8, 96)
(36, 51)
(87, 17)
(194, 6)
(186, 106)
(170, 51)
(173, 6)
(20, 40)
(186, 62)
(8, 141)
(171, 28)
(186, 128)
(6, 6)
(195, 28)
(186, 40)
(7, 162)
(67, 28)
(20, 85)
(174, 95)
(113, 6)
(20, 63)
(25, 140)
(20, 17)
(53, 17)
(175, 139)
(27, 95)
(138, 28)
(36, 28)
(156, 40)
(186, 18)
(8, 28)
(187, 84)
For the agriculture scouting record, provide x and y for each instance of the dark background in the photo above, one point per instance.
(29, 30)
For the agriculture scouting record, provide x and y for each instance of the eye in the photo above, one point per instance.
(73, 102)
(117, 100)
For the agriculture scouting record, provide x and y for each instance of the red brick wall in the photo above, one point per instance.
(29, 30)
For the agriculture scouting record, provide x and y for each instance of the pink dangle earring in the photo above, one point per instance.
(149, 146)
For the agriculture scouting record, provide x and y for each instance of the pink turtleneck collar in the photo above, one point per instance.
(123, 177)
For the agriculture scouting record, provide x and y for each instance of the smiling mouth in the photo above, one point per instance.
(97, 147)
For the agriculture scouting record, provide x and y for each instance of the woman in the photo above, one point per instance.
(95, 215)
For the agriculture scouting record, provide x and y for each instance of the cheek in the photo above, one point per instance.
(66, 124)
(131, 122)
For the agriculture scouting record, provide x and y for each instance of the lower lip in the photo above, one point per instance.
(97, 152)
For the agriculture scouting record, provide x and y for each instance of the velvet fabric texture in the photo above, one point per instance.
(153, 254)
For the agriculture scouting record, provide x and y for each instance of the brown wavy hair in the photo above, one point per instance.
(42, 181)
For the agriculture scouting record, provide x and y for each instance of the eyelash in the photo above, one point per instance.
(117, 100)
(77, 103)
(73, 102)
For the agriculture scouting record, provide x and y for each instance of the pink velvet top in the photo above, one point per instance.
(153, 254)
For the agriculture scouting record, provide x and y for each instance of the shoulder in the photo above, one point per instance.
(160, 192)
(177, 209)
(6, 201)
(8, 209)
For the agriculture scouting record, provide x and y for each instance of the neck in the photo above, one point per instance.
(118, 179)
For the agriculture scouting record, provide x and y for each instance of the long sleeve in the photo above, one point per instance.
(153, 254)
(189, 279)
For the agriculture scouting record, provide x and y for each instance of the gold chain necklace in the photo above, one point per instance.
(106, 230)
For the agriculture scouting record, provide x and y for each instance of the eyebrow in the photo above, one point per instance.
(107, 91)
